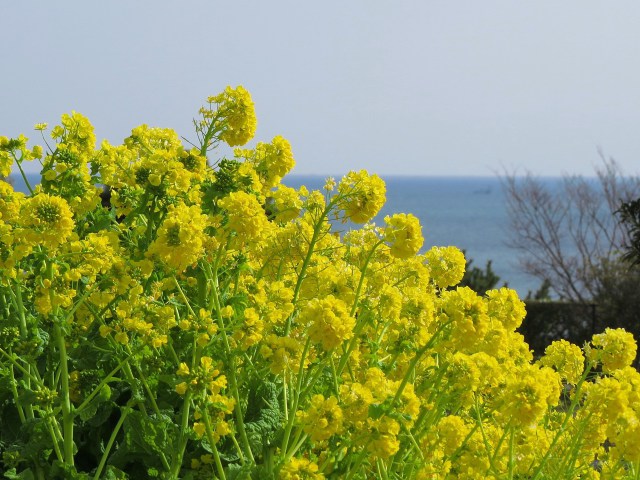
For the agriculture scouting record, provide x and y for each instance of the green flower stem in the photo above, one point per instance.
(125, 411)
(56, 442)
(568, 416)
(298, 441)
(109, 377)
(211, 131)
(317, 229)
(382, 471)
(285, 394)
(236, 445)
(414, 362)
(184, 297)
(212, 443)
(27, 373)
(359, 460)
(574, 448)
(312, 377)
(17, 299)
(295, 398)
(511, 459)
(67, 413)
(413, 442)
(362, 276)
(132, 381)
(487, 445)
(233, 381)
(150, 394)
(334, 373)
(176, 463)
(24, 176)
(16, 398)
(362, 321)
(126, 368)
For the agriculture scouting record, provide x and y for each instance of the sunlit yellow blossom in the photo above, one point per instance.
(250, 331)
(283, 353)
(566, 358)
(76, 131)
(446, 265)
(404, 235)
(356, 398)
(363, 196)
(286, 204)
(626, 437)
(452, 430)
(605, 398)
(467, 314)
(181, 388)
(505, 306)
(530, 393)
(383, 441)
(246, 216)
(10, 202)
(48, 220)
(180, 240)
(300, 469)
(463, 377)
(330, 322)
(322, 419)
(236, 115)
(183, 370)
(271, 161)
(615, 348)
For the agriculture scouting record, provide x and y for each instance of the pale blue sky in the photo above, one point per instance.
(431, 87)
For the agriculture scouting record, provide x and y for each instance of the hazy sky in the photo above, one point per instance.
(430, 87)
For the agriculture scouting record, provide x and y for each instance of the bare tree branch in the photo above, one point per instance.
(564, 233)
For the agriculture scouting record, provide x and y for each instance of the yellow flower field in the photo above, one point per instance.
(169, 313)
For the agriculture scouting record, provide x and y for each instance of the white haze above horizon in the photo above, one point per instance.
(422, 87)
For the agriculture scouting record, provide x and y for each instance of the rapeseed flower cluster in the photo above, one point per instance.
(209, 321)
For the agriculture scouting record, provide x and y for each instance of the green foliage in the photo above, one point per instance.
(478, 279)
(629, 214)
(264, 416)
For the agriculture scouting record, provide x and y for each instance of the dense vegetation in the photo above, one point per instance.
(207, 322)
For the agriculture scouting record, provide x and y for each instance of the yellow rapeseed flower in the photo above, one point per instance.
(404, 235)
(48, 220)
(615, 348)
(236, 115)
(363, 196)
(322, 419)
(446, 265)
(181, 237)
(330, 322)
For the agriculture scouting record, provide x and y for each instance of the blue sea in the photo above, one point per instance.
(468, 212)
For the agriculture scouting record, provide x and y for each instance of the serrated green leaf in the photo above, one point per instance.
(264, 417)
(152, 434)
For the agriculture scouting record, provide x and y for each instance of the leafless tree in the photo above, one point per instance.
(565, 233)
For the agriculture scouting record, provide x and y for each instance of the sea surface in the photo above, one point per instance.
(467, 212)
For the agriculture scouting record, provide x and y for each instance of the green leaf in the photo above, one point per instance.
(239, 472)
(263, 418)
(112, 473)
(145, 438)
(23, 475)
(151, 434)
